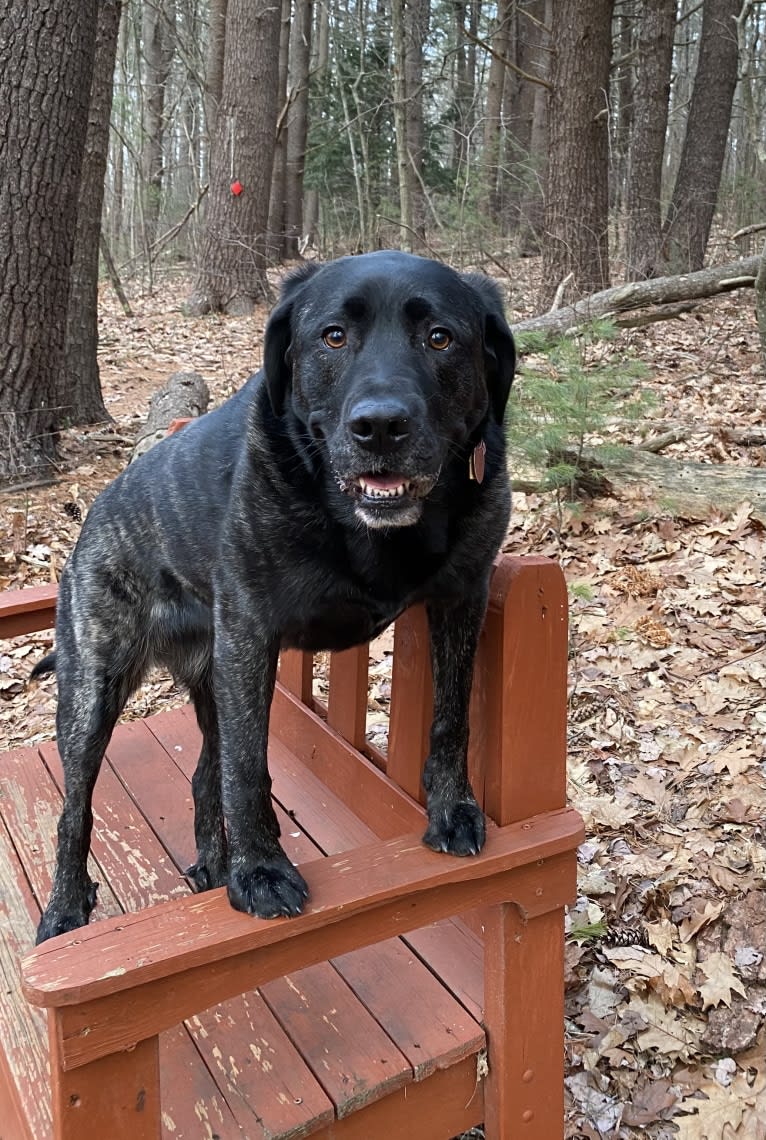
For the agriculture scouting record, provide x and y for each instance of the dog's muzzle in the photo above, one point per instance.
(387, 499)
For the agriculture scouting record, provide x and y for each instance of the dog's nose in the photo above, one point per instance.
(379, 425)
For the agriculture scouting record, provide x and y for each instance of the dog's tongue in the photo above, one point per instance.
(384, 482)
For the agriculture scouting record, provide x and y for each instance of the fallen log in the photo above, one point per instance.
(184, 396)
(635, 295)
(683, 488)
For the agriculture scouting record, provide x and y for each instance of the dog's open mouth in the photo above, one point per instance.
(387, 488)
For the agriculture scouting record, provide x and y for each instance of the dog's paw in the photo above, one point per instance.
(58, 919)
(458, 829)
(273, 888)
(205, 875)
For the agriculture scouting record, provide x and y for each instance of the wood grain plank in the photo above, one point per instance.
(455, 954)
(419, 1014)
(155, 782)
(347, 1050)
(194, 1094)
(116, 1096)
(27, 610)
(447, 1103)
(448, 948)
(257, 1073)
(23, 1029)
(347, 699)
(134, 863)
(331, 823)
(524, 970)
(31, 805)
(262, 1075)
(431, 1032)
(192, 1103)
(190, 953)
(296, 673)
(375, 799)
(411, 702)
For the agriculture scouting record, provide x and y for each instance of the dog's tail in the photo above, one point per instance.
(47, 665)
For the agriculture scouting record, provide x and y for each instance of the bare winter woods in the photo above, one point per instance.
(619, 141)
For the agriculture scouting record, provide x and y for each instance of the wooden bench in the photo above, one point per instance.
(371, 1014)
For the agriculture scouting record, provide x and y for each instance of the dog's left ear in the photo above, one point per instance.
(278, 338)
(499, 347)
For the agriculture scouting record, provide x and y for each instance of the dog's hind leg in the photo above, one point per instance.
(90, 701)
(210, 870)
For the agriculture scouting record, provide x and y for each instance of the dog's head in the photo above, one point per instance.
(392, 365)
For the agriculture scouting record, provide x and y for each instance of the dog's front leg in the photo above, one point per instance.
(261, 879)
(455, 820)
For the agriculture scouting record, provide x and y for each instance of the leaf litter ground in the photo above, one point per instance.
(666, 950)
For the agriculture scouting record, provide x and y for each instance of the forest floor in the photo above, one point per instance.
(666, 952)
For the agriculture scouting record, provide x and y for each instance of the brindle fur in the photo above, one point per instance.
(245, 533)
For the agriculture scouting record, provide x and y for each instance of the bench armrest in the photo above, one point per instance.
(125, 979)
(28, 610)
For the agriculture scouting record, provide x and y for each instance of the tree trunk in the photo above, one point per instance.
(43, 124)
(622, 98)
(493, 112)
(297, 124)
(535, 22)
(647, 144)
(115, 202)
(81, 360)
(320, 57)
(690, 216)
(216, 38)
(404, 170)
(577, 193)
(231, 270)
(463, 93)
(158, 42)
(277, 225)
(416, 33)
(760, 306)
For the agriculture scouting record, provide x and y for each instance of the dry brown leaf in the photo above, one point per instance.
(721, 981)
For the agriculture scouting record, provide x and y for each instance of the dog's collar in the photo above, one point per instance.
(477, 462)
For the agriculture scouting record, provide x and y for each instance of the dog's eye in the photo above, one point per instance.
(334, 337)
(439, 339)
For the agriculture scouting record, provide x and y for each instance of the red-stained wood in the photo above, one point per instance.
(269, 1067)
(347, 699)
(12, 1113)
(264, 1080)
(241, 1043)
(194, 952)
(437, 1039)
(411, 702)
(116, 1096)
(30, 804)
(374, 797)
(455, 955)
(27, 610)
(445, 1104)
(296, 673)
(131, 860)
(524, 1016)
(430, 1028)
(526, 707)
(23, 1033)
(355, 1061)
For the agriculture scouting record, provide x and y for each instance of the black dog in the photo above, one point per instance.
(361, 471)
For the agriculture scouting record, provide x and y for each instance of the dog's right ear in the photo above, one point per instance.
(278, 337)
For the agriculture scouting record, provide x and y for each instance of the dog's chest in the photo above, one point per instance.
(338, 624)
